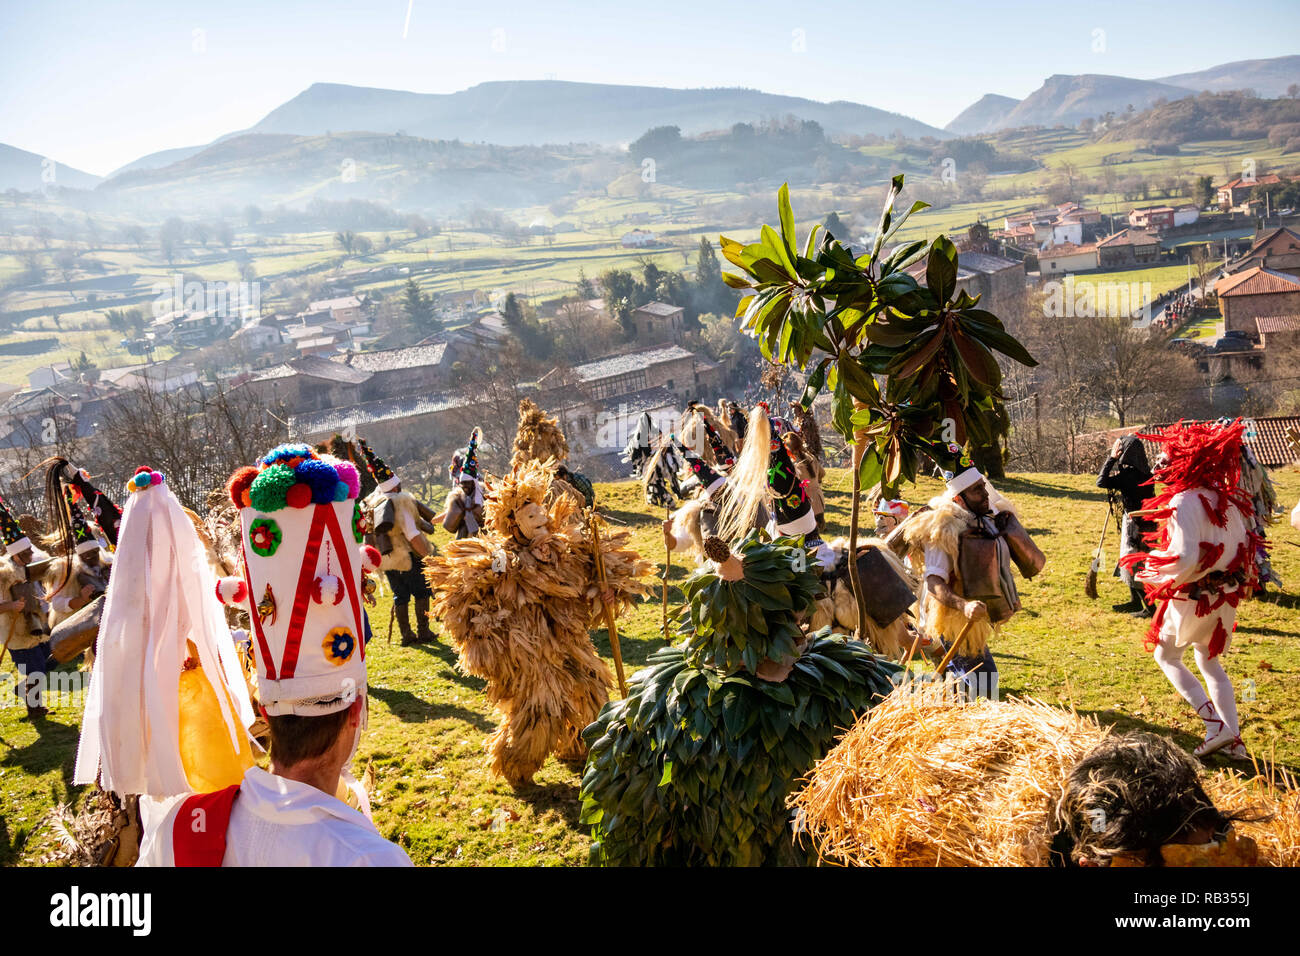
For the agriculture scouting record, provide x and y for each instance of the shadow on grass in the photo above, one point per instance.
(559, 796)
(1047, 490)
(624, 519)
(54, 749)
(446, 653)
(409, 708)
(1288, 601)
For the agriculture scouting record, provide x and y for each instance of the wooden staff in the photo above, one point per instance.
(668, 563)
(952, 651)
(609, 610)
(392, 614)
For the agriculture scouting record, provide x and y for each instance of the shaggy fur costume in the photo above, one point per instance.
(839, 611)
(537, 437)
(519, 612)
(939, 526)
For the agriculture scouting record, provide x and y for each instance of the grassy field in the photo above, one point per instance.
(429, 722)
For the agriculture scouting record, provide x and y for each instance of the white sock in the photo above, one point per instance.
(1170, 660)
(1220, 687)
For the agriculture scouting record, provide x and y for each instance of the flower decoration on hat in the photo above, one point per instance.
(338, 645)
(264, 537)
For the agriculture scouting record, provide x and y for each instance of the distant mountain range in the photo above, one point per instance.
(29, 172)
(538, 112)
(1066, 100)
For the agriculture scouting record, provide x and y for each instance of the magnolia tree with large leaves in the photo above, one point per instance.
(910, 365)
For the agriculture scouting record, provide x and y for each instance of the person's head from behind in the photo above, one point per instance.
(793, 444)
(1131, 796)
(309, 744)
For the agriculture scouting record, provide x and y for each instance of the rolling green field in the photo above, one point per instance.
(428, 722)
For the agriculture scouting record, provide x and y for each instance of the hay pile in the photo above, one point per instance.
(931, 781)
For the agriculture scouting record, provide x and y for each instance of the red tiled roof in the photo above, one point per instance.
(1277, 323)
(1256, 281)
(1269, 443)
(1239, 183)
(1066, 249)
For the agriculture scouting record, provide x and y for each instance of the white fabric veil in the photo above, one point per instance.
(161, 593)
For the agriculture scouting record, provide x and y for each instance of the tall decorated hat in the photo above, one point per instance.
(794, 513)
(959, 472)
(710, 480)
(83, 538)
(383, 475)
(15, 539)
(469, 464)
(302, 532)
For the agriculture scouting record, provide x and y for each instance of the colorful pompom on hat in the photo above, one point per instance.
(301, 541)
(15, 538)
(383, 475)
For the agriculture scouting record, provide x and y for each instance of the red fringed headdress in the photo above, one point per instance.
(1196, 455)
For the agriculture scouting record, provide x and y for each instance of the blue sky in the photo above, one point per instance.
(96, 85)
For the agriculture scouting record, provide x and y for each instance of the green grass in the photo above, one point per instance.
(428, 722)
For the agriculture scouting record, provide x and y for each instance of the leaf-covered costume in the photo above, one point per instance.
(519, 611)
(694, 767)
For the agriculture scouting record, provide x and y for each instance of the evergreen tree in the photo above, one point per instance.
(419, 309)
(586, 289)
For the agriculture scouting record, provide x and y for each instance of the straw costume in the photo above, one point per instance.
(694, 766)
(1201, 565)
(519, 601)
(301, 583)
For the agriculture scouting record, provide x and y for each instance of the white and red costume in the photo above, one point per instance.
(1201, 567)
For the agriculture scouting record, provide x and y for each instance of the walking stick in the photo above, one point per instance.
(392, 614)
(609, 610)
(952, 651)
(1090, 584)
(668, 563)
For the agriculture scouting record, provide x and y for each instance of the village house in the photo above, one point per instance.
(56, 373)
(657, 322)
(638, 239)
(393, 373)
(1235, 192)
(308, 383)
(1127, 247)
(1067, 258)
(258, 338)
(1245, 297)
(345, 310)
(1277, 250)
(683, 373)
(157, 376)
(1159, 218)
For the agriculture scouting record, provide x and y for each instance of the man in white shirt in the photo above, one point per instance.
(288, 817)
